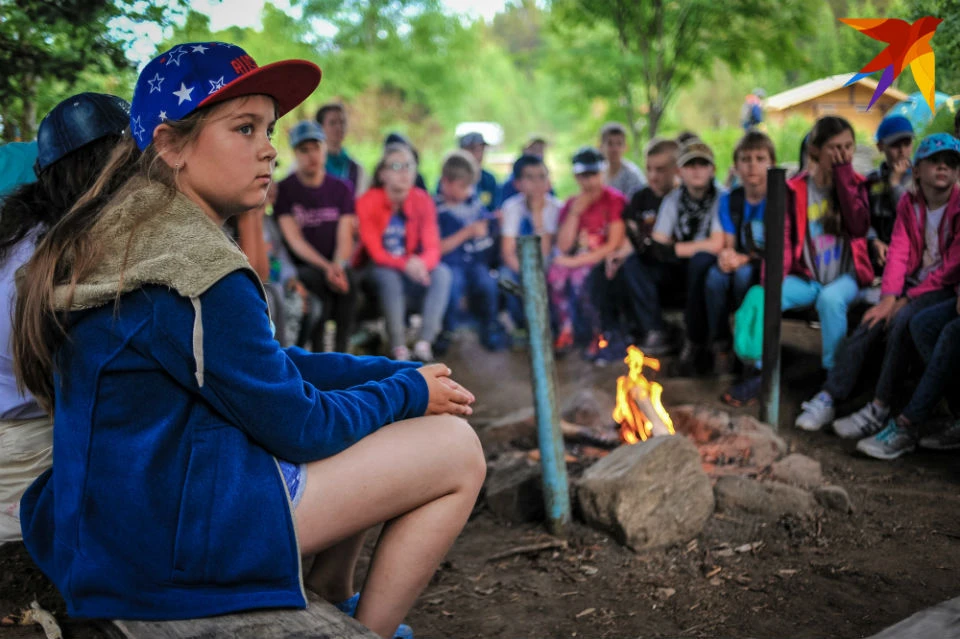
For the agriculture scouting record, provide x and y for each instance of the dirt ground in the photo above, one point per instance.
(834, 576)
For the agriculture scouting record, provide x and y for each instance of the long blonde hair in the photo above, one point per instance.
(69, 252)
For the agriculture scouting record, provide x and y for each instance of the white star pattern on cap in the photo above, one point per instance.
(155, 87)
(216, 85)
(175, 56)
(136, 129)
(199, 48)
(184, 94)
(163, 116)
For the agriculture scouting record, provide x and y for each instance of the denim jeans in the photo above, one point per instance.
(474, 281)
(831, 301)
(853, 351)
(722, 289)
(936, 334)
(645, 279)
(396, 291)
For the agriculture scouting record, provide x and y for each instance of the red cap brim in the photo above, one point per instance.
(289, 82)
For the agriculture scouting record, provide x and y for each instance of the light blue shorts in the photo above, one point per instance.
(295, 477)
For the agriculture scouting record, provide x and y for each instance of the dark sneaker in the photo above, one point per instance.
(890, 443)
(611, 350)
(745, 393)
(494, 338)
(657, 344)
(947, 439)
(688, 364)
(442, 343)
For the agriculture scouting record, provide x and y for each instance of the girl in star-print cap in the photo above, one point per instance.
(197, 460)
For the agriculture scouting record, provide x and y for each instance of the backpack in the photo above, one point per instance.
(748, 326)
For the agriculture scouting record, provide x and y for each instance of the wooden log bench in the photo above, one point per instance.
(319, 620)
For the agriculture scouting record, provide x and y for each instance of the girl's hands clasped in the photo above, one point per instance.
(446, 395)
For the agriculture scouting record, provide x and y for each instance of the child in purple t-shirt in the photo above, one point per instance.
(316, 215)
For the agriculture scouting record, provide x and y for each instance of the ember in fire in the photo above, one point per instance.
(639, 411)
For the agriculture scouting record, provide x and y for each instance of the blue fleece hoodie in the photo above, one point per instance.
(165, 499)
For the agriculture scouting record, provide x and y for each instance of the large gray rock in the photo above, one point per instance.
(650, 494)
(765, 499)
(797, 470)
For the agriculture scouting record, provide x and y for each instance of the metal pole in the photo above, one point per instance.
(555, 491)
(773, 284)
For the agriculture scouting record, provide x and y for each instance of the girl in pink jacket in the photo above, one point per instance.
(923, 268)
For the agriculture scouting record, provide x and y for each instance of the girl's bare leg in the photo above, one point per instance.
(420, 476)
(331, 575)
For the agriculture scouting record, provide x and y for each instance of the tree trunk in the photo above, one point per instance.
(653, 117)
(28, 119)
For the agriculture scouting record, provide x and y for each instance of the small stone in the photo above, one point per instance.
(770, 500)
(665, 593)
(649, 494)
(797, 470)
(590, 407)
(834, 498)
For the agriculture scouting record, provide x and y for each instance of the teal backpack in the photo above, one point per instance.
(748, 326)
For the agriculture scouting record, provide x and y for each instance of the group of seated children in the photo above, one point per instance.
(614, 256)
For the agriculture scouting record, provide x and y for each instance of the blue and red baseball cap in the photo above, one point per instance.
(197, 74)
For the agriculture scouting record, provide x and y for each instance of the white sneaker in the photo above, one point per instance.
(401, 354)
(946, 439)
(423, 351)
(817, 413)
(867, 421)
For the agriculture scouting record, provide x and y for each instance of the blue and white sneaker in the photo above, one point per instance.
(890, 443)
(817, 413)
(349, 608)
(867, 421)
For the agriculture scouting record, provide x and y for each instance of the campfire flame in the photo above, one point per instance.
(639, 411)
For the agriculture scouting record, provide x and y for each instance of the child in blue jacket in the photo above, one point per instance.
(196, 460)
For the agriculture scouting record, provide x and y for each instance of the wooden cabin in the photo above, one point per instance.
(828, 96)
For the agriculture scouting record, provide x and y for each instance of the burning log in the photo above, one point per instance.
(639, 409)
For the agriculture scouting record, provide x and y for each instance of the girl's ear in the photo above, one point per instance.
(164, 139)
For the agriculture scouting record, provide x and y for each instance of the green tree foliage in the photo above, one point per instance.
(47, 46)
(658, 47)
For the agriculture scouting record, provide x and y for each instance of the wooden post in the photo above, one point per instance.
(536, 308)
(772, 288)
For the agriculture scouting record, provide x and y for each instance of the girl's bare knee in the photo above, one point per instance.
(465, 446)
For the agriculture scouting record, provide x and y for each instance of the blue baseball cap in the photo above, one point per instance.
(472, 139)
(936, 143)
(306, 130)
(197, 74)
(76, 122)
(893, 128)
